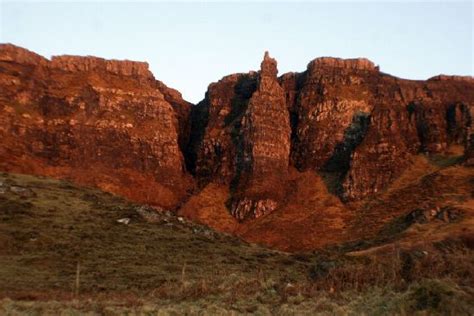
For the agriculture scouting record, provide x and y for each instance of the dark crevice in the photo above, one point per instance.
(458, 120)
(339, 163)
(422, 128)
(244, 90)
(199, 120)
(294, 121)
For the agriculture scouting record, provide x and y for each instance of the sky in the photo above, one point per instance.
(191, 44)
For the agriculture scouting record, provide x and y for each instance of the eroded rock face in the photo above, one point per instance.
(363, 125)
(265, 136)
(382, 155)
(468, 79)
(469, 144)
(90, 63)
(469, 154)
(111, 124)
(241, 138)
(341, 116)
(96, 122)
(353, 64)
(215, 133)
(15, 54)
(332, 96)
(182, 108)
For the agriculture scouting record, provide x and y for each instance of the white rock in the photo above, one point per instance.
(124, 220)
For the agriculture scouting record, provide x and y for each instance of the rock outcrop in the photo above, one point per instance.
(215, 128)
(353, 64)
(242, 138)
(353, 120)
(452, 78)
(182, 109)
(331, 101)
(15, 54)
(264, 156)
(95, 64)
(340, 116)
(469, 145)
(272, 159)
(383, 153)
(96, 122)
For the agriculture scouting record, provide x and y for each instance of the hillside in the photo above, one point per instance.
(295, 162)
(339, 189)
(63, 249)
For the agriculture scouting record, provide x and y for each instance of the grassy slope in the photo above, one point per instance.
(63, 225)
(174, 266)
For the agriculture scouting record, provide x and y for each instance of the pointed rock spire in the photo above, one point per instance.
(264, 166)
(268, 67)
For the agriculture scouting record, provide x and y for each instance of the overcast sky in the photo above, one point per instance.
(189, 45)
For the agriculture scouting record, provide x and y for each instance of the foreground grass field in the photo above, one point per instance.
(72, 250)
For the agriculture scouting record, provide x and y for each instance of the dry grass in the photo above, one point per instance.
(172, 266)
(449, 259)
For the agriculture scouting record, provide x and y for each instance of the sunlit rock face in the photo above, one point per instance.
(111, 124)
(94, 121)
(241, 137)
(351, 119)
(341, 116)
(215, 126)
(331, 100)
(265, 138)
(469, 133)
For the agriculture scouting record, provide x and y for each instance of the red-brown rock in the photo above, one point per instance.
(274, 159)
(242, 139)
(96, 122)
(353, 120)
(95, 64)
(264, 157)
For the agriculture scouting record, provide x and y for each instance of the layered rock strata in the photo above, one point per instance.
(241, 138)
(111, 124)
(93, 121)
(264, 157)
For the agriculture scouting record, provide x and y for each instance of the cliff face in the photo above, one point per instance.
(94, 121)
(353, 120)
(265, 147)
(242, 139)
(215, 126)
(272, 159)
(346, 118)
(118, 67)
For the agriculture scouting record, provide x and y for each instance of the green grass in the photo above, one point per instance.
(428, 297)
(172, 266)
(443, 161)
(45, 236)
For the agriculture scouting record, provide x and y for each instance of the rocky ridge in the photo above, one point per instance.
(90, 63)
(346, 118)
(97, 122)
(263, 163)
(254, 154)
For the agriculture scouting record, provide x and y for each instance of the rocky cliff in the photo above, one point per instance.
(261, 156)
(94, 121)
(346, 118)
(352, 119)
(263, 163)
(241, 137)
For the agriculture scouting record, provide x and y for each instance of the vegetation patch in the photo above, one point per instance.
(67, 249)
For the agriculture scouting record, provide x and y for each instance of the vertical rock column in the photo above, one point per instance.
(262, 164)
